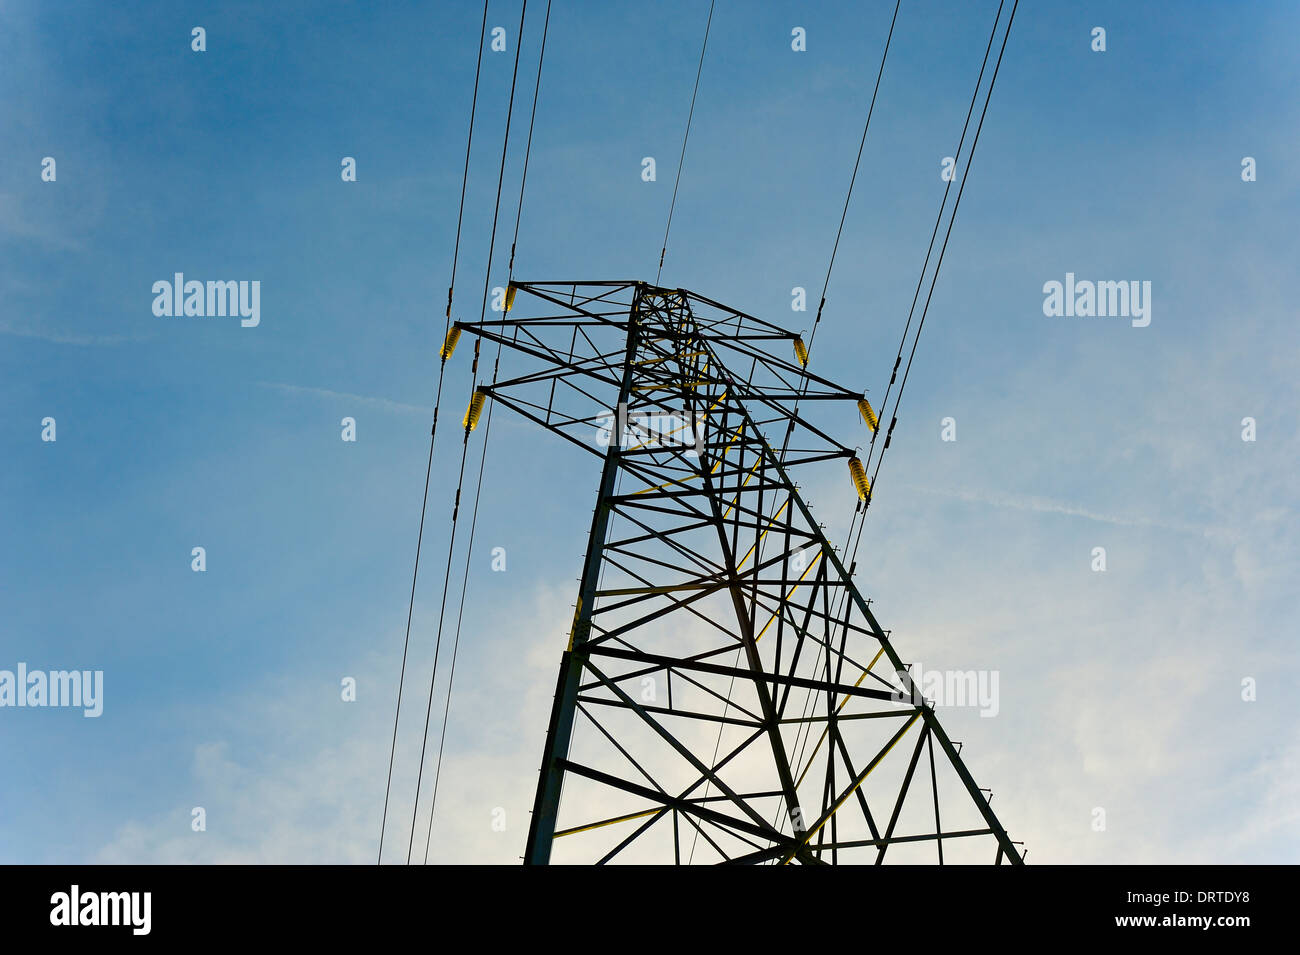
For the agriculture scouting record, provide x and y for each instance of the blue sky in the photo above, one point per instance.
(1119, 690)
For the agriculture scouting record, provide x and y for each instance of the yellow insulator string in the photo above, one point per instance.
(868, 414)
(449, 346)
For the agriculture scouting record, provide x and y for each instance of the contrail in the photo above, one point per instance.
(386, 403)
(1042, 505)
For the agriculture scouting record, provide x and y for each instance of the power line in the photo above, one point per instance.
(487, 434)
(948, 234)
(854, 178)
(859, 515)
(433, 431)
(848, 196)
(857, 542)
(528, 147)
(681, 160)
(487, 281)
(920, 279)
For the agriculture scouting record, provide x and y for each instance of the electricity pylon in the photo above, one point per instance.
(726, 694)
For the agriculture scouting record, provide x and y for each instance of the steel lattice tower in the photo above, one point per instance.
(726, 694)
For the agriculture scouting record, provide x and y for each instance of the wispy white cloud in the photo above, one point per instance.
(314, 791)
(17, 223)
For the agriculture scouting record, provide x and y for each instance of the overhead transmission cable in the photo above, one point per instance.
(939, 262)
(469, 425)
(487, 434)
(848, 195)
(948, 233)
(433, 431)
(860, 512)
(859, 516)
(681, 160)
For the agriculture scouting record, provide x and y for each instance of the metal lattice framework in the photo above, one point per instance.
(726, 694)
